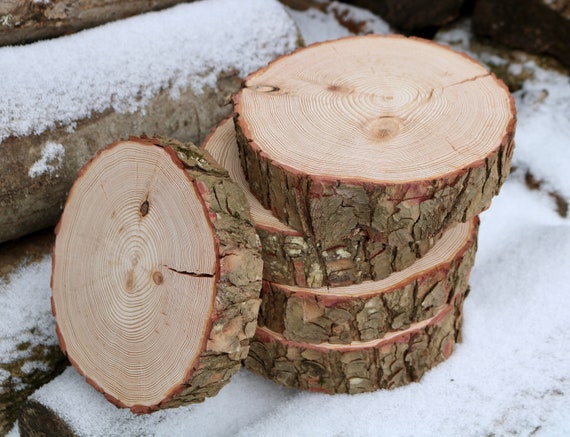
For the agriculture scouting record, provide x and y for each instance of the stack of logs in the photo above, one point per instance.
(366, 162)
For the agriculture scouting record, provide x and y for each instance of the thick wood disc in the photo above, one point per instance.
(156, 274)
(291, 258)
(367, 311)
(392, 137)
(392, 361)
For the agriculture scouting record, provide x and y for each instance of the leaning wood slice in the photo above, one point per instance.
(291, 258)
(394, 138)
(392, 361)
(156, 274)
(370, 310)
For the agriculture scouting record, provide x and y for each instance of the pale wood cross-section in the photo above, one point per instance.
(372, 309)
(291, 258)
(391, 137)
(156, 274)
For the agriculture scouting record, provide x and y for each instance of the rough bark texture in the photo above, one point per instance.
(233, 319)
(37, 420)
(538, 26)
(24, 21)
(383, 364)
(335, 214)
(413, 16)
(301, 315)
(291, 258)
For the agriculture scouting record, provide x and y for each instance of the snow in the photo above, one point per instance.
(510, 376)
(124, 64)
(50, 160)
(25, 313)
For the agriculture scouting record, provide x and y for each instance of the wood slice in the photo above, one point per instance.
(156, 274)
(389, 137)
(291, 258)
(370, 310)
(392, 361)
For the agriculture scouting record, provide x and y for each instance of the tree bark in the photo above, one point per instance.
(24, 21)
(350, 138)
(413, 16)
(155, 297)
(32, 200)
(392, 361)
(291, 258)
(371, 310)
(536, 26)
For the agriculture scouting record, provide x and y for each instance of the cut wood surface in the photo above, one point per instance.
(388, 137)
(369, 310)
(23, 21)
(156, 274)
(392, 361)
(53, 119)
(291, 258)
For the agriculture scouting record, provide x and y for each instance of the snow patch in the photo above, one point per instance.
(50, 161)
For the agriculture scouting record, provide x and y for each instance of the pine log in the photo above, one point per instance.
(388, 137)
(372, 309)
(291, 258)
(536, 26)
(413, 16)
(156, 274)
(24, 21)
(53, 119)
(392, 361)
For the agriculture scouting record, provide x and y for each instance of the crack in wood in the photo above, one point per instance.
(193, 274)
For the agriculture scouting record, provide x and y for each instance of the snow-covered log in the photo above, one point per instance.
(24, 21)
(166, 73)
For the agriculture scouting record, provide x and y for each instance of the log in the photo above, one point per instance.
(536, 26)
(389, 362)
(291, 258)
(385, 137)
(29, 354)
(417, 17)
(24, 21)
(53, 119)
(156, 274)
(372, 309)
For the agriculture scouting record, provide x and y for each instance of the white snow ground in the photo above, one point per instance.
(511, 374)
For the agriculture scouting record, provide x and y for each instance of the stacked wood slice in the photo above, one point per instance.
(370, 159)
(156, 274)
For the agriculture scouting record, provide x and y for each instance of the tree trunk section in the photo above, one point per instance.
(536, 26)
(371, 310)
(24, 21)
(42, 149)
(392, 361)
(290, 258)
(156, 274)
(388, 138)
(413, 16)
